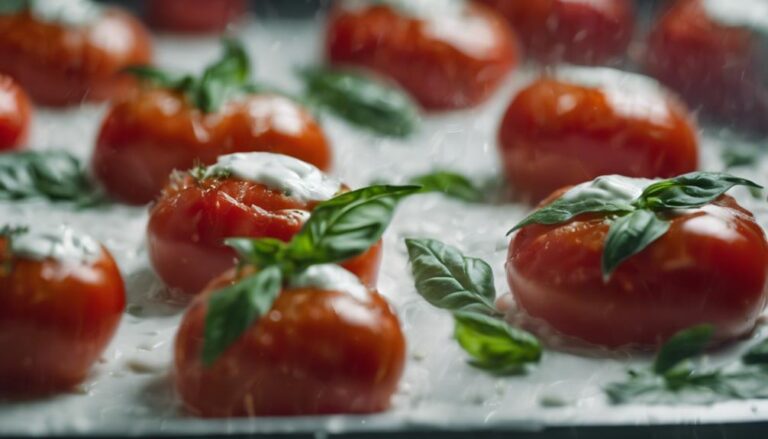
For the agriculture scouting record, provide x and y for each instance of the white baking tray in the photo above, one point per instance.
(129, 391)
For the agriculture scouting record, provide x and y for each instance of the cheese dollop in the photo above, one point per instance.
(331, 277)
(62, 244)
(67, 12)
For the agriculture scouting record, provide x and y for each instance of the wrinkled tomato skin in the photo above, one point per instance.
(56, 318)
(710, 267)
(147, 136)
(438, 73)
(61, 66)
(316, 352)
(578, 32)
(190, 221)
(15, 114)
(712, 65)
(195, 16)
(546, 145)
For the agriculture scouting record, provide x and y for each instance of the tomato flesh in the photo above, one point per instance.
(587, 32)
(315, 352)
(56, 318)
(557, 133)
(710, 267)
(145, 137)
(195, 15)
(191, 220)
(59, 65)
(15, 114)
(444, 63)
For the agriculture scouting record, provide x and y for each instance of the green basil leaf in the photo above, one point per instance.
(451, 184)
(225, 78)
(53, 175)
(161, 78)
(232, 310)
(736, 157)
(346, 225)
(562, 210)
(362, 101)
(628, 236)
(682, 346)
(13, 6)
(690, 190)
(758, 354)
(494, 345)
(449, 280)
(260, 252)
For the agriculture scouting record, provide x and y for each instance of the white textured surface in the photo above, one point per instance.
(130, 392)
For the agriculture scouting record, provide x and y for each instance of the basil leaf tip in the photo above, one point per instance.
(451, 184)
(682, 346)
(629, 235)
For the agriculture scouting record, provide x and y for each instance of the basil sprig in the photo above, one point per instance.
(228, 77)
(676, 376)
(338, 229)
(50, 175)
(447, 279)
(635, 221)
(450, 184)
(362, 101)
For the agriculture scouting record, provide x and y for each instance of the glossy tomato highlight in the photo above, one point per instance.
(575, 31)
(153, 132)
(714, 64)
(190, 221)
(56, 318)
(560, 131)
(60, 64)
(447, 58)
(15, 114)
(710, 267)
(195, 15)
(317, 351)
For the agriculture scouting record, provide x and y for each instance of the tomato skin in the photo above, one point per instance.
(15, 114)
(545, 146)
(56, 319)
(61, 66)
(188, 225)
(710, 267)
(195, 16)
(437, 72)
(145, 137)
(578, 32)
(315, 352)
(712, 65)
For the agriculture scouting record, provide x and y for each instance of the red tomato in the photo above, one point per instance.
(56, 318)
(315, 352)
(189, 222)
(711, 64)
(710, 267)
(15, 113)
(195, 15)
(59, 65)
(557, 133)
(574, 31)
(148, 135)
(446, 61)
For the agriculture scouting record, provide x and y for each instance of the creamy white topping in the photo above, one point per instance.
(67, 12)
(295, 178)
(333, 278)
(424, 9)
(62, 244)
(629, 94)
(752, 14)
(610, 187)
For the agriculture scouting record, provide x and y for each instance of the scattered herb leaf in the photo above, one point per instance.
(361, 100)
(451, 184)
(682, 346)
(758, 354)
(736, 157)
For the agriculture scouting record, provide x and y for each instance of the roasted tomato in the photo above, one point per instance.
(579, 32)
(193, 216)
(195, 15)
(57, 311)
(60, 63)
(558, 131)
(318, 351)
(15, 113)
(446, 54)
(710, 267)
(155, 131)
(712, 59)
